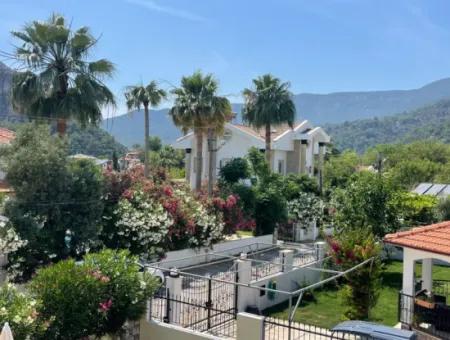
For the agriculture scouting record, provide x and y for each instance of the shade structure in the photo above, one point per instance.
(6, 333)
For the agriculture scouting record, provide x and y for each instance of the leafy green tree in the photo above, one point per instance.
(146, 96)
(57, 205)
(115, 161)
(154, 143)
(235, 170)
(443, 209)
(294, 185)
(268, 104)
(367, 203)
(197, 107)
(59, 82)
(338, 169)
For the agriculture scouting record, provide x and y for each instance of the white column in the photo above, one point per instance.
(408, 273)
(287, 259)
(303, 147)
(245, 295)
(321, 160)
(427, 274)
(249, 327)
(320, 248)
(174, 285)
(188, 165)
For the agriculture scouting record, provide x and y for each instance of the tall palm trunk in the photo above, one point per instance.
(199, 159)
(268, 147)
(147, 132)
(212, 151)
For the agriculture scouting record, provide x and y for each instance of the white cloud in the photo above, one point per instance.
(175, 12)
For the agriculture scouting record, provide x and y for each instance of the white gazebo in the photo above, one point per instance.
(428, 245)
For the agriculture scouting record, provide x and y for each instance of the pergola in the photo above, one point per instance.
(426, 308)
(423, 243)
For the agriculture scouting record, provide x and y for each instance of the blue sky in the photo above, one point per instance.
(320, 46)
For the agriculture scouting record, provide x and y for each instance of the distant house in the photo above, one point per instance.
(6, 137)
(103, 163)
(293, 150)
(130, 160)
(434, 189)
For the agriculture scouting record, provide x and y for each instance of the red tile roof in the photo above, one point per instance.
(6, 136)
(261, 133)
(434, 238)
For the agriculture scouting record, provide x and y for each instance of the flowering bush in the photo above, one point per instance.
(95, 297)
(151, 216)
(141, 224)
(305, 209)
(9, 240)
(363, 284)
(19, 310)
(233, 215)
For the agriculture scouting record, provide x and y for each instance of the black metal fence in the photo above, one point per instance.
(424, 315)
(204, 305)
(280, 329)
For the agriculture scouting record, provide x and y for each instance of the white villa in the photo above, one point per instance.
(297, 150)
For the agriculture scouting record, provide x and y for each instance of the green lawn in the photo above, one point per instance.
(241, 233)
(326, 308)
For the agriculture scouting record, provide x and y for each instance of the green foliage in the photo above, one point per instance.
(93, 141)
(366, 203)
(57, 205)
(259, 169)
(270, 210)
(235, 170)
(443, 209)
(20, 311)
(154, 143)
(363, 285)
(415, 209)
(95, 297)
(338, 169)
(268, 104)
(427, 123)
(58, 80)
(296, 184)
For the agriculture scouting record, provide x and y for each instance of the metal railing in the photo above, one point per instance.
(425, 315)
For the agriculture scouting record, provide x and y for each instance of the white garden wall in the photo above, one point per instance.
(190, 257)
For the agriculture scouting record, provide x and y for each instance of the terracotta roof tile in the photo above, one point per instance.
(276, 130)
(433, 238)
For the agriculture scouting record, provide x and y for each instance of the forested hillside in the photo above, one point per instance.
(429, 122)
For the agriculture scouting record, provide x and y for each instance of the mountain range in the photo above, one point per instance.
(354, 119)
(320, 109)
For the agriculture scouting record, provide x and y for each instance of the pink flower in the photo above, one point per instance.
(168, 191)
(105, 306)
(231, 201)
(128, 194)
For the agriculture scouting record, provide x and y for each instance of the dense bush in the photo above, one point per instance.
(94, 297)
(235, 170)
(305, 209)
(363, 284)
(57, 205)
(20, 311)
(367, 203)
(151, 216)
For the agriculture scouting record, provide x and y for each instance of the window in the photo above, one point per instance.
(281, 166)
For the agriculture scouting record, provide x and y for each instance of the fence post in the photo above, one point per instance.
(275, 236)
(174, 290)
(244, 294)
(249, 327)
(287, 259)
(209, 302)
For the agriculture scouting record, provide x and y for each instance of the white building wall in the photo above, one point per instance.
(279, 155)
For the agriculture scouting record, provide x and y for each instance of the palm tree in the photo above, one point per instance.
(146, 96)
(55, 79)
(197, 107)
(268, 104)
